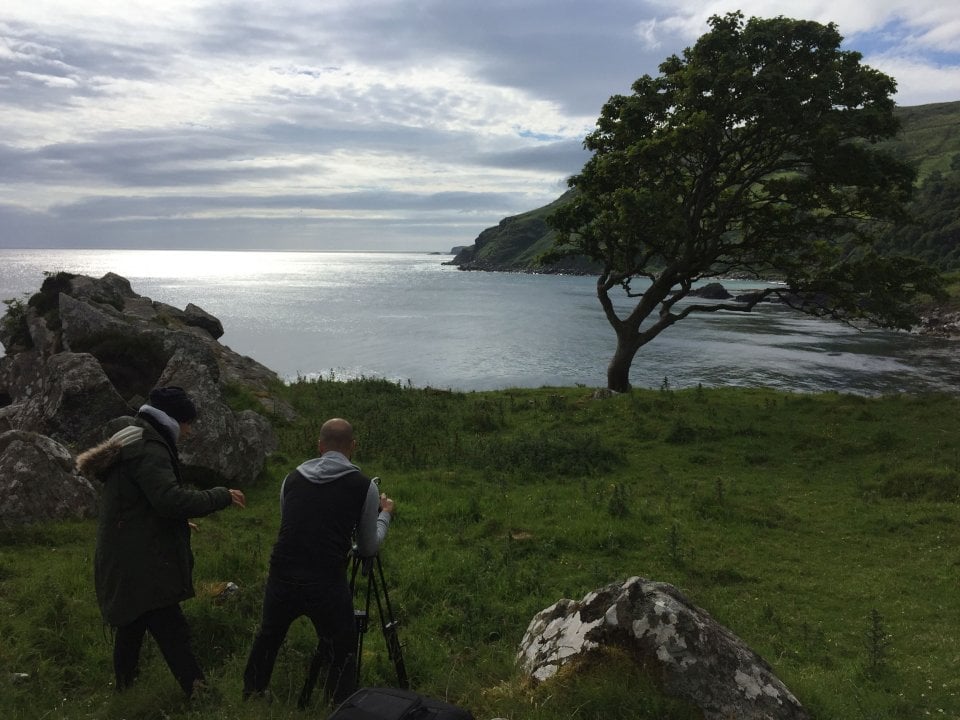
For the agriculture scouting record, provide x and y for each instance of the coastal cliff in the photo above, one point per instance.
(516, 244)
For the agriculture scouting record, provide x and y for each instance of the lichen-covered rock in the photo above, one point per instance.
(38, 482)
(691, 655)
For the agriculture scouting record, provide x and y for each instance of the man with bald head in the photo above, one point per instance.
(326, 505)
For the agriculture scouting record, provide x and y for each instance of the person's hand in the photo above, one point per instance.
(238, 498)
(386, 504)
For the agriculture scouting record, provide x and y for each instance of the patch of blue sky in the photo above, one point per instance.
(542, 137)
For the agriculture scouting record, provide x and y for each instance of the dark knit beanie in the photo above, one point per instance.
(175, 402)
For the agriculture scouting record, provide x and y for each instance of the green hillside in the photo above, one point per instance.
(517, 243)
(930, 137)
(929, 140)
(821, 529)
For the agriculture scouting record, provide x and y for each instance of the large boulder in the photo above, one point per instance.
(226, 447)
(38, 481)
(711, 291)
(198, 317)
(67, 398)
(690, 655)
(94, 348)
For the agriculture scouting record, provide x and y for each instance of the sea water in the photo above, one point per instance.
(409, 318)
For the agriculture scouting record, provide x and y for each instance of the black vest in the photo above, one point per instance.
(317, 526)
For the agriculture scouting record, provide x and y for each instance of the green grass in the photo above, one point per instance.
(824, 530)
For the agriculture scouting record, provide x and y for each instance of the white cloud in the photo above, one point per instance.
(919, 83)
(48, 80)
(378, 111)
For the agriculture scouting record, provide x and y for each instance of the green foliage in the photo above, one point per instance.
(15, 329)
(15, 332)
(240, 397)
(816, 556)
(753, 154)
(934, 234)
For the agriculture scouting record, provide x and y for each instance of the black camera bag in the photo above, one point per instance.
(395, 704)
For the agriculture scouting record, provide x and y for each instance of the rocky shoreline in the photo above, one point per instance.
(940, 322)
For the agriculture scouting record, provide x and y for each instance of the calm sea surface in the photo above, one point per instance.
(407, 317)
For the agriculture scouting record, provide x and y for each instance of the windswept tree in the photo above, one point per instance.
(754, 154)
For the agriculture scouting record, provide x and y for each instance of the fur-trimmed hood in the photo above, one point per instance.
(96, 461)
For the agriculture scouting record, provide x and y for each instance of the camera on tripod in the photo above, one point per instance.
(370, 568)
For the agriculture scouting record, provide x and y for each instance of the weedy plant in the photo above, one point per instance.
(877, 642)
(509, 501)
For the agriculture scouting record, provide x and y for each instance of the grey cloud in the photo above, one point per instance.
(129, 161)
(437, 232)
(571, 52)
(562, 157)
(36, 55)
(153, 160)
(106, 208)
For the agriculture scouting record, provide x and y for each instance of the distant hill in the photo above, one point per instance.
(929, 140)
(517, 243)
(930, 137)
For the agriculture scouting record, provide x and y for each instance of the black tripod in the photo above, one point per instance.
(372, 569)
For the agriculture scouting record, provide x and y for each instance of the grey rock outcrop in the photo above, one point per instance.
(85, 351)
(38, 481)
(940, 322)
(691, 655)
(711, 291)
(67, 397)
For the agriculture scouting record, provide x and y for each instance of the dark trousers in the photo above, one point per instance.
(169, 629)
(329, 606)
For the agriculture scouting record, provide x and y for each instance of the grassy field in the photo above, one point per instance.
(824, 530)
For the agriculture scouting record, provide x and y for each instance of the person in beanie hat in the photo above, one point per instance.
(175, 402)
(143, 565)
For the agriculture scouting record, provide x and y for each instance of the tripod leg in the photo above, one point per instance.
(389, 626)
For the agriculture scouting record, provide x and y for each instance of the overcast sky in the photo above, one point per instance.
(348, 124)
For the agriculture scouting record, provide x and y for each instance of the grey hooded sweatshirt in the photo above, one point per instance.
(326, 505)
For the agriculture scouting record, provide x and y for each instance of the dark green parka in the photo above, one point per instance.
(143, 558)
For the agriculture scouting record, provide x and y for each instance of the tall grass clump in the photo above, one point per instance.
(821, 529)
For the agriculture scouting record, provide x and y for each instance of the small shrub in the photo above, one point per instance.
(877, 642)
(680, 433)
(617, 506)
(240, 397)
(675, 546)
(922, 484)
(15, 324)
(884, 440)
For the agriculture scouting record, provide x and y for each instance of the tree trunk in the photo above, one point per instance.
(618, 371)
